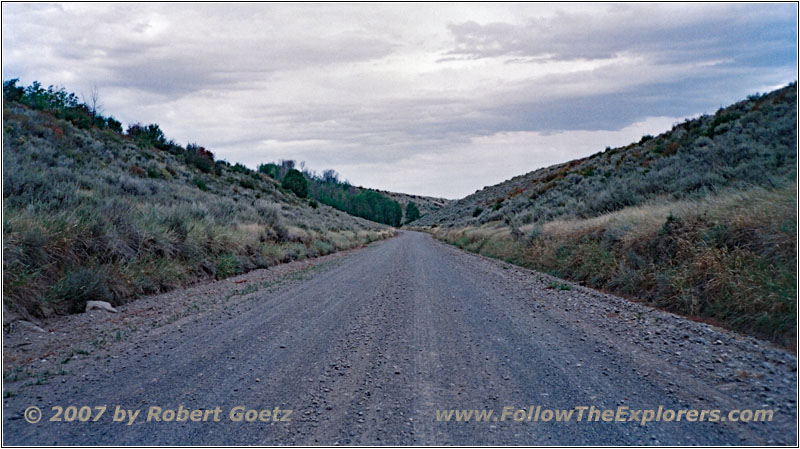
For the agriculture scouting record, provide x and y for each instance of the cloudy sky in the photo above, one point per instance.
(432, 99)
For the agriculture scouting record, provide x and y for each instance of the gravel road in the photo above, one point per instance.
(365, 349)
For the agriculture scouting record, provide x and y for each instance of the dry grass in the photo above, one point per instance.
(734, 209)
(80, 223)
(728, 258)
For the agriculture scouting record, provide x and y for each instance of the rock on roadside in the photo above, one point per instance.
(28, 325)
(101, 305)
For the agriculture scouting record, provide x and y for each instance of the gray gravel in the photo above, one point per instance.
(368, 348)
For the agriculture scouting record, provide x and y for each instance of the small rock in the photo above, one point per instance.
(30, 326)
(100, 305)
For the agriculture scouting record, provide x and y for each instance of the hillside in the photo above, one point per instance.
(751, 143)
(426, 204)
(92, 213)
(698, 220)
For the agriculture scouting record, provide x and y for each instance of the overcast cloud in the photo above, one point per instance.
(433, 99)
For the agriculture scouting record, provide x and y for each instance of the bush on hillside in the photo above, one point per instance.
(270, 170)
(412, 212)
(200, 158)
(296, 182)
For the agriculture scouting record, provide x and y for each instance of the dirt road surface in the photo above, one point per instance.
(367, 347)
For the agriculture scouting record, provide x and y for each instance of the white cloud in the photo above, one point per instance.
(437, 99)
(459, 170)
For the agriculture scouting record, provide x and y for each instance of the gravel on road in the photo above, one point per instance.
(364, 347)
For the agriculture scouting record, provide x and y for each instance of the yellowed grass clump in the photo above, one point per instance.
(728, 258)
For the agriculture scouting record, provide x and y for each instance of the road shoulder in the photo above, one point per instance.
(68, 344)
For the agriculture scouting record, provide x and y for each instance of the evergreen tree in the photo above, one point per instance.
(412, 212)
(296, 182)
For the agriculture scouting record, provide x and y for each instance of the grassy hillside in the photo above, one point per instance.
(751, 143)
(700, 220)
(91, 213)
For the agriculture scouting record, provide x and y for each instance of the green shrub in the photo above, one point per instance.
(12, 92)
(200, 158)
(247, 183)
(200, 183)
(114, 125)
(77, 287)
(323, 248)
(77, 117)
(147, 135)
(412, 212)
(239, 168)
(154, 172)
(228, 265)
(296, 182)
(270, 170)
